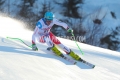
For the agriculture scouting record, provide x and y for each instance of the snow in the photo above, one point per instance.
(18, 62)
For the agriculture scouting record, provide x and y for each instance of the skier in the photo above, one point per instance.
(44, 35)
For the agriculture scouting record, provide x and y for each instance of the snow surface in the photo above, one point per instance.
(18, 62)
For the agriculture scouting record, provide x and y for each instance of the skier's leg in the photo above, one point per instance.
(41, 39)
(69, 52)
(52, 46)
(66, 49)
(54, 39)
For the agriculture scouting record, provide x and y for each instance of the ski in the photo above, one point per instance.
(69, 60)
(64, 57)
(75, 61)
(87, 63)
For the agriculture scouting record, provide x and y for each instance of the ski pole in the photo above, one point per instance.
(20, 40)
(77, 44)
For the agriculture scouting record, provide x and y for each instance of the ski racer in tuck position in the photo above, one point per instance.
(43, 34)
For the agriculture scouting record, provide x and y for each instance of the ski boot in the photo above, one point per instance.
(49, 48)
(74, 56)
(56, 51)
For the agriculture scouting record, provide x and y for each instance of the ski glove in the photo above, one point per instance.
(34, 47)
(70, 30)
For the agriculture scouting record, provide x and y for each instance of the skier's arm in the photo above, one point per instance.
(34, 35)
(36, 31)
(64, 25)
(34, 47)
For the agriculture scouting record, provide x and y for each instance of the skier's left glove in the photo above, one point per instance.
(34, 47)
(70, 30)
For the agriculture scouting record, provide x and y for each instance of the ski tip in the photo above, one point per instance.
(93, 66)
(75, 63)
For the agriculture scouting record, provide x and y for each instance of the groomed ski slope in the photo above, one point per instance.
(18, 62)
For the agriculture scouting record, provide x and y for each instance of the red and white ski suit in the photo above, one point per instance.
(43, 34)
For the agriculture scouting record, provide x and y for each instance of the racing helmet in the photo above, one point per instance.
(49, 16)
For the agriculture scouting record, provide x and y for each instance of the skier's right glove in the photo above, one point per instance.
(34, 47)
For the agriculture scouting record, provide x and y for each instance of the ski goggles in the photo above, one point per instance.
(47, 20)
